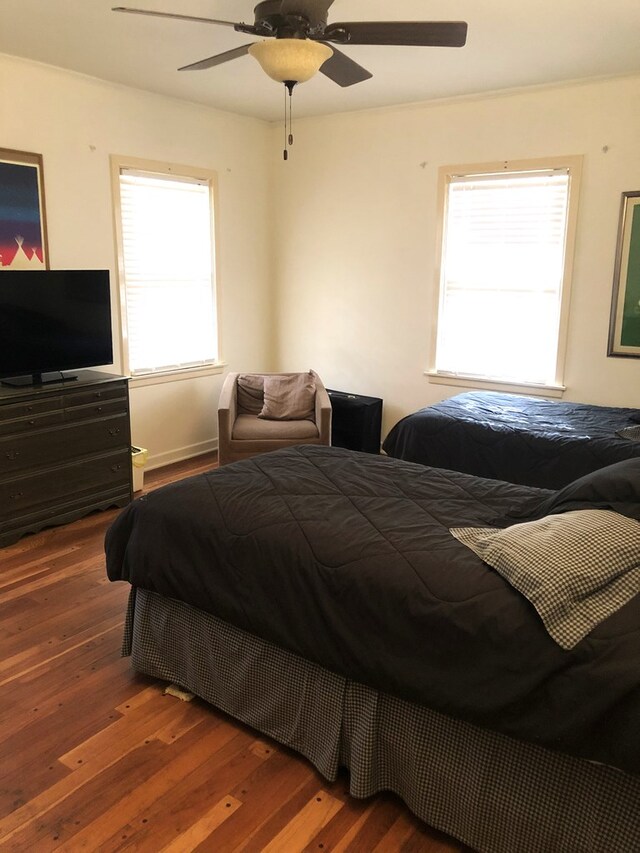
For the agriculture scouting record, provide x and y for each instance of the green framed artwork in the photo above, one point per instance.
(624, 326)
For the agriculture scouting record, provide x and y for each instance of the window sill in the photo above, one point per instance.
(495, 385)
(176, 375)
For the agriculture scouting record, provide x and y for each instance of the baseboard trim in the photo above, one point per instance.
(179, 454)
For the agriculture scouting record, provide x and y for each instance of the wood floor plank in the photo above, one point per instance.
(141, 697)
(306, 823)
(282, 810)
(337, 835)
(88, 760)
(202, 828)
(180, 806)
(49, 570)
(377, 823)
(94, 757)
(271, 783)
(54, 708)
(59, 825)
(397, 836)
(123, 734)
(43, 654)
(62, 676)
(126, 809)
(49, 545)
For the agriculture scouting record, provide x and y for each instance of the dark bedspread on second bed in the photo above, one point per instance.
(525, 440)
(347, 560)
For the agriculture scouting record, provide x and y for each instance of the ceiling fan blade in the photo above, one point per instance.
(218, 59)
(419, 33)
(343, 70)
(173, 15)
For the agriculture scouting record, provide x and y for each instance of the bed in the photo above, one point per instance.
(318, 595)
(525, 440)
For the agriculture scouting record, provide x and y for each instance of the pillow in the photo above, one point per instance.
(250, 393)
(289, 397)
(616, 487)
(630, 432)
(576, 569)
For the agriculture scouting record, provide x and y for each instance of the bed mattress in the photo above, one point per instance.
(523, 440)
(346, 560)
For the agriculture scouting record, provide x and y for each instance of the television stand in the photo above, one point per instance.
(37, 379)
(65, 450)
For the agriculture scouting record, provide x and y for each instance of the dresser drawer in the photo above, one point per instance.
(25, 494)
(41, 420)
(25, 452)
(30, 408)
(97, 410)
(97, 394)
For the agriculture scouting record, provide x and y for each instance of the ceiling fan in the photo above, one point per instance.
(295, 41)
(301, 33)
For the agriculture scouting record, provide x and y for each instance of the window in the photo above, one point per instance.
(507, 245)
(166, 251)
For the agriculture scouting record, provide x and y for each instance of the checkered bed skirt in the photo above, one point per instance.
(496, 794)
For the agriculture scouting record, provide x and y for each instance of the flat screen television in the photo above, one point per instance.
(53, 321)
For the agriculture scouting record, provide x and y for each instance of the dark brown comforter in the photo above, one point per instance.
(346, 559)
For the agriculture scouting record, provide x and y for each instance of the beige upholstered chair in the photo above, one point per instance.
(259, 412)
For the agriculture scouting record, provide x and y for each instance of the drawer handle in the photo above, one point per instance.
(117, 467)
(28, 408)
(15, 496)
(98, 394)
(13, 454)
(32, 422)
(114, 430)
(98, 408)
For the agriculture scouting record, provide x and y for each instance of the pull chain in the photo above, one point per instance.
(288, 134)
(285, 153)
(291, 116)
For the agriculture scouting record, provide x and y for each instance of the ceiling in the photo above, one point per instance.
(511, 43)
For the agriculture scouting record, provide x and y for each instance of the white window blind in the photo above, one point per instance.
(502, 276)
(167, 245)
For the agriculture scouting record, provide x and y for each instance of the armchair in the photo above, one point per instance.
(259, 412)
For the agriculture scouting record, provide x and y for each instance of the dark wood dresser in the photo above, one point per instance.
(65, 450)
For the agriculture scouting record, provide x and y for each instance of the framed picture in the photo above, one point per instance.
(624, 326)
(23, 227)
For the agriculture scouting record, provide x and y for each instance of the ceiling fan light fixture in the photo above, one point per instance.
(294, 60)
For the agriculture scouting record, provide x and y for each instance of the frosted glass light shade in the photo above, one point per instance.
(290, 59)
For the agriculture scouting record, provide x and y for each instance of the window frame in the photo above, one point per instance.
(573, 165)
(118, 164)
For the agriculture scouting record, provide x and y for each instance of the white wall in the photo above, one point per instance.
(356, 233)
(326, 261)
(76, 122)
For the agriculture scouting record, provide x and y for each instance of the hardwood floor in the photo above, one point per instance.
(94, 757)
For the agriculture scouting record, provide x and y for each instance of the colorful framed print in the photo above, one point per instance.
(23, 227)
(624, 326)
